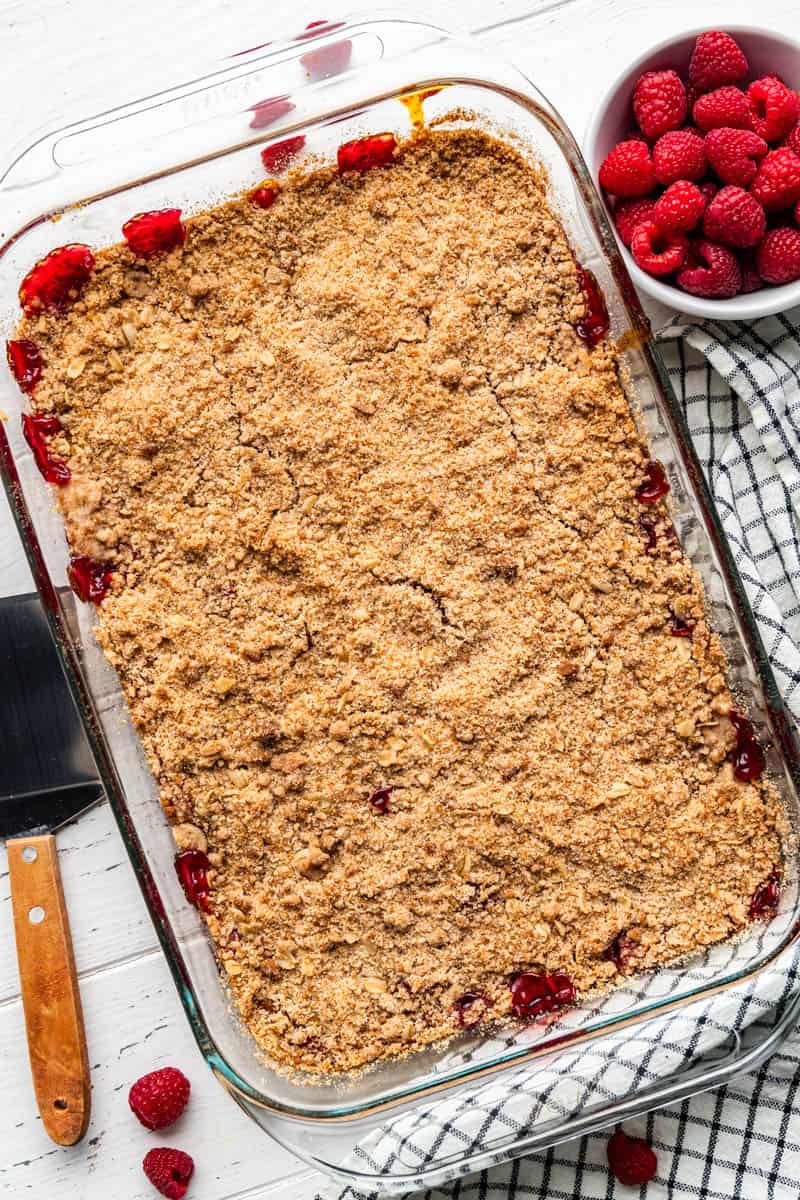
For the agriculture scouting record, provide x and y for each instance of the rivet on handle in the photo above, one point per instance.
(29, 854)
(36, 915)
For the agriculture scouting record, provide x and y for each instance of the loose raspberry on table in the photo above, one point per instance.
(656, 252)
(778, 256)
(628, 214)
(679, 208)
(632, 1159)
(712, 271)
(732, 154)
(659, 102)
(773, 108)
(776, 183)
(628, 170)
(716, 60)
(727, 106)
(159, 1098)
(169, 1171)
(735, 218)
(679, 154)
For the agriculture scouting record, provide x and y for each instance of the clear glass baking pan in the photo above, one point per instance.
(192, 146)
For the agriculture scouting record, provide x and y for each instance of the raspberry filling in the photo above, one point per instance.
(89, 579)
(748, 756)
(25, 361)
(367, 152)
(534, 995)
(594, 324)
(649, 528)
(56, 280)
(380, 799)
(191, 867)
(36, 431)
(680, 628)
(620, 951)
(470, 1009)
(278, 156)
(151, 233)
(764, 901)
(655, 486)
(265, 197)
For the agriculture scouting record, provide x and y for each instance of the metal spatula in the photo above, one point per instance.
(47, 777)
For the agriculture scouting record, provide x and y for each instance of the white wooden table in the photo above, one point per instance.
(63, 59)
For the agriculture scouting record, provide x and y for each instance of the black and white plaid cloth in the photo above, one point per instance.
(739, 385)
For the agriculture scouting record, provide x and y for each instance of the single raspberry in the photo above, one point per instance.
(679, 154)
(629, 213)
(773, 108)
(751, 280)
(711, 270)
(169, 1171)
(735, 218)
(725, 107)
(716, 61)
(793, 140)
(265, 197)
(267, 112)
(360, 155)
(57, 279)
(628, 170)
(777, 182)
(25, 360)
(709, 190)
(152, 233)
(732, 154)
(659, 102)
(778, 256)
(159, 1098)
(680, 207)
(655, 252)
(278, 156)
(632, 1160)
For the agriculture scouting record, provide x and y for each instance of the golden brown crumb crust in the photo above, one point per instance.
(371, 507)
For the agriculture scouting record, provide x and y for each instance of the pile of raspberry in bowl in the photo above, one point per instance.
(706, 189)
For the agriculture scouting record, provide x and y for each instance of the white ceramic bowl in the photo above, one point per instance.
(766, 51)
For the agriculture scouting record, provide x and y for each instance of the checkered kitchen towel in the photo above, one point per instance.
(739, 385)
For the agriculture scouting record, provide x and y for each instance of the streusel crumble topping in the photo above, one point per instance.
(414, 655)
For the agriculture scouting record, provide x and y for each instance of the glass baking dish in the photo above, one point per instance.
(192, 146)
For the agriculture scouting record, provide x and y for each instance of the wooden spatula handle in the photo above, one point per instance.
(49, 985)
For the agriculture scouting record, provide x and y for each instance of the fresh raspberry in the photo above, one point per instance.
(57, 279)
(680, 207)
(361, 154)
(709, 190)
(778, 256)
(659, 102)
(732, 153)
(159, 1098)
(629, 213)
(169, 1171)
(777, 182)
(735, 218)
(679, 154)
(727, 106)
(716, 61)
(711, 270)
(278, 156)
(793, 140)
(773, 108)
(628, 170)
(655, 252)
(751, 280)
(152, 233)
(631, 1159)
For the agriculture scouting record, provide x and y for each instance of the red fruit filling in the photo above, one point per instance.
(594, 324)
(152, 233)
(534, 995)
(748, 756)
(649, 528)
(89, 579)
(265, 197)
(654, 486)
(680, 628)
(25, 361)
(621, 950)
(367, 152)
(278, 156)
(380, 799)
(36, 431)
(191, 867)
(470, 1009)
(56, 280)
(267, 112)
(764, 901)
(631, 1159)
